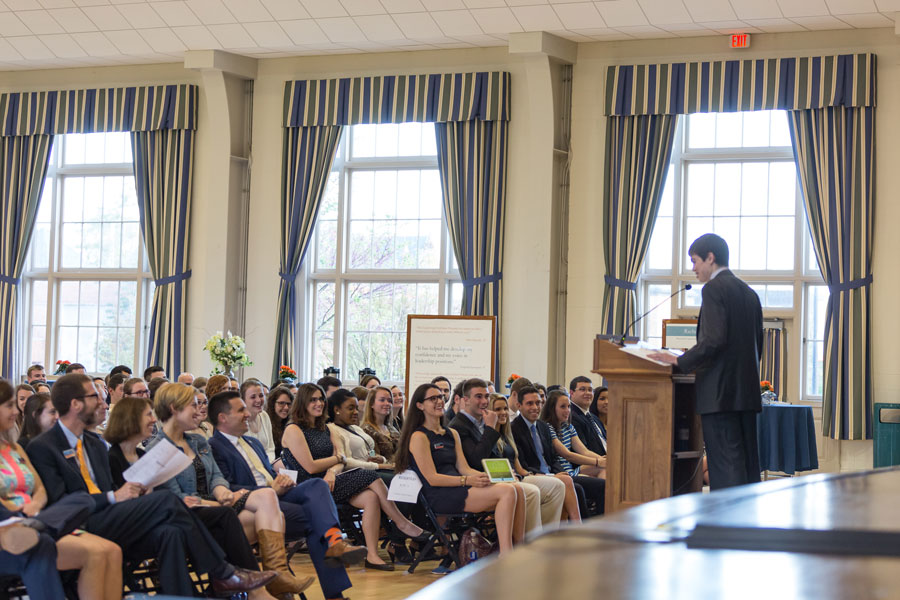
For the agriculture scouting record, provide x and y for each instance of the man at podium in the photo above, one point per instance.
(726, 363)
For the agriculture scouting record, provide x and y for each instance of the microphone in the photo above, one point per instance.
(686, 287)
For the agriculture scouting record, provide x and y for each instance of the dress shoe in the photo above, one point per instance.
(399, 554)
(18, 538)
(242, 580)
(377, 567)
(342, 553)
(421, 538)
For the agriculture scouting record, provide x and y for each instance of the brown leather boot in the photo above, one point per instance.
(274, 558)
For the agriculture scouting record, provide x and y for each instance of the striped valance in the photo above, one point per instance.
(397, 99)
(147, 108)
(741, 85)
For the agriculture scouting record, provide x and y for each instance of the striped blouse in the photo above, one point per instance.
(567, 433)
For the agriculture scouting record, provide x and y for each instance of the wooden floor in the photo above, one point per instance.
(369, 584)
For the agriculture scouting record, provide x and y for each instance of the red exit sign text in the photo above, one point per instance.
(740, 40)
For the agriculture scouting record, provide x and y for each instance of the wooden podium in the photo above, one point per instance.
(654, 438)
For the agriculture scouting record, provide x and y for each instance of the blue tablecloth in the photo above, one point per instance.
(787, 439)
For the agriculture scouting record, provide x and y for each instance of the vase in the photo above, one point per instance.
(228, 370)
(769, 398)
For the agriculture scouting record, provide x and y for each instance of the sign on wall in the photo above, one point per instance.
(456, 347)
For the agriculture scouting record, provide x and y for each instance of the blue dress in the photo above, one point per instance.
(346, 484)
(443, 500)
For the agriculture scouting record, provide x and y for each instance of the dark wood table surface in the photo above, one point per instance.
(644, 553)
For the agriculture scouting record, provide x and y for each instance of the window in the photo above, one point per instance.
(733, 174)
(381, 251)
(86, 279)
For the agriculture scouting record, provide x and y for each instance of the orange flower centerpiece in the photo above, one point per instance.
(767, 391)
(61, 367)
(512, 378)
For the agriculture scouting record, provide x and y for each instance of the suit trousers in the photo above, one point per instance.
(594, 489)
(37, 568)
(66, 514)
(553, 495)
(732, 452)
(160, 525)
(309, 512)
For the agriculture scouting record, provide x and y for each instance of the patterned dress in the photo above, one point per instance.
(346, 484)
(16, 479)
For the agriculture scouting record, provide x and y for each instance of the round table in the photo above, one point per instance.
(787, 439)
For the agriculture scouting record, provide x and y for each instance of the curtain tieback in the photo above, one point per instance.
(494, 278)
(176, 278)
(850, 285)
(620, 283)
(10, 280)
(289, 278)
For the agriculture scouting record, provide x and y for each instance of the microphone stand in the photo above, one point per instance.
(621, 341)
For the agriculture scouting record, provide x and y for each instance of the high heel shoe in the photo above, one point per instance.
(383, 567)
(399, 554)
(421, 538)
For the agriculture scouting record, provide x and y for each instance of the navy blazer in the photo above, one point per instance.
(234, 467)
(61, 473)
(584, 427)
(528, 457)
(729, 341)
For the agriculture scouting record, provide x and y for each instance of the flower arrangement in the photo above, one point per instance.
(61, 367)
(285, 372)
(227, 352)
(511, 379)
(765, 386)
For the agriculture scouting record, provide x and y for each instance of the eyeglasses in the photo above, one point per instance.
(584, 389)
(141, 393)
(95, 395)
(316, 399)
(433, 398)
(285, 404)
(202, 402)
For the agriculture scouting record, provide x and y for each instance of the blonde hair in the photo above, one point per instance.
(172, 397)
(369, 410)
(505, 430)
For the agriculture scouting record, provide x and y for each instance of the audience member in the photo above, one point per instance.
(134, 422)
(23, 393)
(360, 392)
(378, 425)
(398, 399)
(152, 372)
(278, 407)
(154, 384)
(260, 424)
(308, 508)
(22, 492)
(40, 387)
(310, 450)
(136, 387)
(514, 388)
(185, 378)
(445, 386)
(116, 386)
(100, 384)
(234, 384)
(156, 524)
(490, 387)
(36, 373)
(369, 381)
(506, 448)
(351, 441)
(448, 483)
(204, 427)
(589, 430)
(216, 384)
(200, 384)
(121, 369)
(39, 417)
(542, 392)
(202, 485)
(329, 383)
(600, 411)
(456, 397)
(75, 368)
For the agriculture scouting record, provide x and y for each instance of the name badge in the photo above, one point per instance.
(67, 454)
(438, 445)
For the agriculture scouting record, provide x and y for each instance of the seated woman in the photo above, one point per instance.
(23, 493)
(599, 410)
(216, 384)
(204, 427)
(572, 454)
(202, 484)
(254, 395)
(506, 448)
(40, 415)
(309, 448)
(378, 424)
(399, 399)
(278, 407)
(132, 422)
(357, 445)
(448, 483)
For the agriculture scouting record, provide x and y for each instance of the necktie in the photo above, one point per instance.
(85, 474)
(254, 460)
(539, 449)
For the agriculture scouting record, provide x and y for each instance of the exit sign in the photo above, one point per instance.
(740, 40)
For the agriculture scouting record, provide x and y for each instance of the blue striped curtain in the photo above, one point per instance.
(472, 163)
(23, 167)
(638, 149)
(834, 149)
(309, 152)
(163, 167)
(773, 363)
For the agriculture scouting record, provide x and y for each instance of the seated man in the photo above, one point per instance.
(478, 435)
(308, 508)
(70, 460)
(581, 394)
(535, 444)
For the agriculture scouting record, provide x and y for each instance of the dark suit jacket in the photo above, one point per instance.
(527, 453)
(233, 466)
(476, 446)
(584, 427)
(62, 475)
(729, 340)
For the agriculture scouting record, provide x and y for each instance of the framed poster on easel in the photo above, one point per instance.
(679, 334)
(457, 347)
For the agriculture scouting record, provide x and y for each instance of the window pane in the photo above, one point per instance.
(456, 298)
(39, 302)
(780, 296)
(659, 254)
(780, 245)
(754, 188)
(326, 244)
(702, 130)
(656, 293)
(781, 135)
(363, 140)
(701, 180)
(728, 130)
(816, 307)
(756, 129)
(728, 189)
